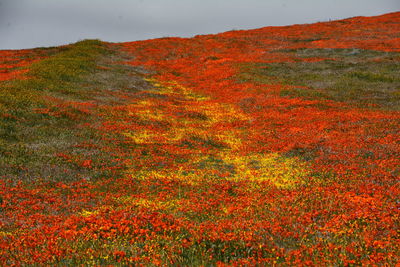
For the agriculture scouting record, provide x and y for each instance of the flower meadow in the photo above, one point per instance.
(275, 146)
(13, 61)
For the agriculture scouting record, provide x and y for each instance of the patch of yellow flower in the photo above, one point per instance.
(230, 139)
(2, 234)
(281, 171)
(219, 112)
(141, 137)
(148, 203)
(87, 213)
(182, 128)
(187, 177)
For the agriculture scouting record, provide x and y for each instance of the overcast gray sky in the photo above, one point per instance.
(34, 23)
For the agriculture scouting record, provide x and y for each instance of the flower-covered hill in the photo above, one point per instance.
(274, 146)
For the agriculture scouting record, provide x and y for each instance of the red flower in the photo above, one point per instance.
(87, 163)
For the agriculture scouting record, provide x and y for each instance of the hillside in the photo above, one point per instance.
(273, 146)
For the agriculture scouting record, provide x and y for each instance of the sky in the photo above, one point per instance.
(42, 23)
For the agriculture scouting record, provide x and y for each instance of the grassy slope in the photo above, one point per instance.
(42, 115)
(102, 165)
(365, 78)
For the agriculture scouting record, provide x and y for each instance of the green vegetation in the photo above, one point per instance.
(360, 77)
(40, 117)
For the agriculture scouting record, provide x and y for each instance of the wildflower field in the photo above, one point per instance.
(274, 146)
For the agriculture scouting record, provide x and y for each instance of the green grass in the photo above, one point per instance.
(359, 77)
(61, 72)
(30, 140)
